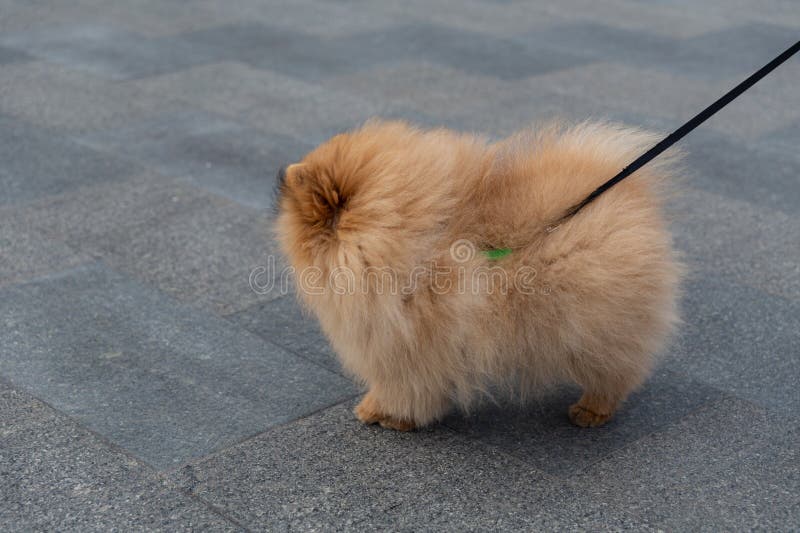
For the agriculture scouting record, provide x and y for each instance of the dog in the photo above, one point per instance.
(436, 265)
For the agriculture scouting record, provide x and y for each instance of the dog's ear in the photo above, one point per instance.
(318, 193)
(295, 174)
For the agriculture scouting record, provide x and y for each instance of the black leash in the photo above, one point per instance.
(678, 134)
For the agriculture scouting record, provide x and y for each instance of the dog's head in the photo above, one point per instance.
(373, 197)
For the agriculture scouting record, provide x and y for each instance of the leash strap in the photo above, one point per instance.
(678, 134)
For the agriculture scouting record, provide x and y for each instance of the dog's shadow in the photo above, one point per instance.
(542, 435)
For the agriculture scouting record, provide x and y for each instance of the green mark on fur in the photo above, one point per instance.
(496, 253)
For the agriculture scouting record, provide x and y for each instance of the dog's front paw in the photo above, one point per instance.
(369, 412)
(583, 417)
(586, 418)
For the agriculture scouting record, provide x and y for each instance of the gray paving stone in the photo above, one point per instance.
(529, 110)
(55, 96)
(741, 340)
(162, 380)
(469, 51)
(769, 487)
(58, 476)
(227, 87)
(38, 163)
(38, 16)
(783, 140)
(319, 18)
(738, 241)
(723, 166)
(443, 96)
(606, 43)
(729, 52)
(210, 151)
(724, 467)
(206, 255)
(266, 100)
(313, 58)
(301, 54)
(543, 436)
(746, 46)
(664, 19)
(191, 244)
(283, 322)
(616, 88)
(10, 55)
(91, 215)
(108, 53)
(742, 11)
(328, 471)
(148, 18)
(436, 90)
(157, 18)
(26, 253)
(318, 119)
(481, 16)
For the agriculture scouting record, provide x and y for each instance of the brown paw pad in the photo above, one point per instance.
(583, 417)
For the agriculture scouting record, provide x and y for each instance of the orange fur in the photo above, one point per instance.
(392, 198)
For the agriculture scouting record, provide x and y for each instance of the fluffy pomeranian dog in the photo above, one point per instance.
(433, 264)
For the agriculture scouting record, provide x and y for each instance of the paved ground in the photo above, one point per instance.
(144, 385)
